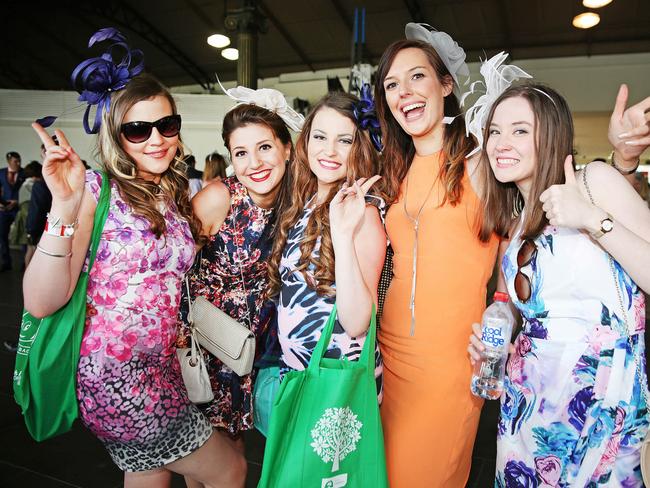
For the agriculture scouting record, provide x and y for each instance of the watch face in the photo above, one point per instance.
(606, 225)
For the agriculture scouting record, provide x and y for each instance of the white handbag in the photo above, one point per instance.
(223, 336)
(195, 373)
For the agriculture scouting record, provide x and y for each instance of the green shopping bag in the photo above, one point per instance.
(45, 375)
(325, 429)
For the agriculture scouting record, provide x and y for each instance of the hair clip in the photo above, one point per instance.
(364, 112)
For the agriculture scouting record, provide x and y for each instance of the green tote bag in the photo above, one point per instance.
(325, 430)
(45, 376)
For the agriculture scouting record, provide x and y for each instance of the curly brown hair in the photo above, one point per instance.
(362, 162)
(142, 195)
(399, 150)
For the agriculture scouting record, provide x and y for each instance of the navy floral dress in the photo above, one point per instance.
(241, 247)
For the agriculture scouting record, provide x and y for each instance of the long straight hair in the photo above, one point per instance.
(502, 202)
(142, 195)
(362, 162)
(398, 145)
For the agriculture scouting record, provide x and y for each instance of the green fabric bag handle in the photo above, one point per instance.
(368, 346)
(44, 381)
(101, 213)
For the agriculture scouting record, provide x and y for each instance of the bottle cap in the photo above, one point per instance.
(499, 296)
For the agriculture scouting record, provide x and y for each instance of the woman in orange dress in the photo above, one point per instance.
(441, 269)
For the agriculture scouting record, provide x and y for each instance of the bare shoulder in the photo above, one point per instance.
(211, 206)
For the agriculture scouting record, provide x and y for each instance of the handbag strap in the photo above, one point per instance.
(241, 273)
(326, 335)
(626, 332)
(101, 213)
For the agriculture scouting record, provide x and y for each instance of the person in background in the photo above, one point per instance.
(193, 175)
(19, 234)
(11, 179)
(215, 168)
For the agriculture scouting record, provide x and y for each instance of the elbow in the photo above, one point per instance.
(37, 310)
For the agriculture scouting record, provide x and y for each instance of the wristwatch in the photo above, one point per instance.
(606, 225)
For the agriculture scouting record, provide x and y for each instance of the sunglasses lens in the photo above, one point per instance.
(137, 132)
(526, 253)
(169, 126)
(522, 287)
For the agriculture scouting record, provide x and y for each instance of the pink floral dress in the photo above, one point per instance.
(130, 390)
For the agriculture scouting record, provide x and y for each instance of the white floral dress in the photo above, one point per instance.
(573, 413)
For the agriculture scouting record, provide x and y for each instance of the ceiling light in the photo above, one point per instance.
(218, 40)
(595, 3)
(230, 53)
(586, 20)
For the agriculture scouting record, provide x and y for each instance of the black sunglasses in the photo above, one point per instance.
(137, 132)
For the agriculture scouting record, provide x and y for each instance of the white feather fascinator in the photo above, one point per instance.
(269, 99)
(498, 77)
(451, 54)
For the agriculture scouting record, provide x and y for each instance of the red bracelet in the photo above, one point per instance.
(54, 227)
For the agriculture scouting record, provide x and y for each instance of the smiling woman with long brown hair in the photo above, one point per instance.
(440, 267)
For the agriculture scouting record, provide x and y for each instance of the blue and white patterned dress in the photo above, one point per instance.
(302, 313)
(573, 413)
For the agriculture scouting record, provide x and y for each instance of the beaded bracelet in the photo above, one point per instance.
(54, 227)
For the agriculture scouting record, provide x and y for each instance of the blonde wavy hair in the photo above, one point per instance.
(142, 195)
(362, 162)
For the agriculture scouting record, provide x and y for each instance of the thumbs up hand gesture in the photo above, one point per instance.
(565, 205)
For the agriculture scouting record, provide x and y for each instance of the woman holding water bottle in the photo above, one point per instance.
(573, 408)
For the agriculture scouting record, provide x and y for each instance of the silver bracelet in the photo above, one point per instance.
(54, 255)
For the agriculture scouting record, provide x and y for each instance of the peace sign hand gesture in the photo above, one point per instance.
(348, 206)
(565, 205)
(629, 128)
(63, 172)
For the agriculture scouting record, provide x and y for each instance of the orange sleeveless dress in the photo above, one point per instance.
(428, 414)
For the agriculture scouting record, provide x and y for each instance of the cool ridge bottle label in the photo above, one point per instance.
(493, 336)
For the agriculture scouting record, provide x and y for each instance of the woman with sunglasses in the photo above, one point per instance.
(573, 411)
(129, 386)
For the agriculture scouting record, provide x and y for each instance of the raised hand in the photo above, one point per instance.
(63, 171)
(629, 128)
(565, 205)
(348, 206)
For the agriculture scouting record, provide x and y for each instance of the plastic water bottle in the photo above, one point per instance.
(487, 380)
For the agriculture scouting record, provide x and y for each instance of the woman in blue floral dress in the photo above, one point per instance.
(573, 412)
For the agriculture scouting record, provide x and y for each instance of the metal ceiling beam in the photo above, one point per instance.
(287, 37)
(123, 14)
(202, 16)
(415, 10)
(341, 12)
(505, 26)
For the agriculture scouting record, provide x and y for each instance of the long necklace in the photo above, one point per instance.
(416, 225)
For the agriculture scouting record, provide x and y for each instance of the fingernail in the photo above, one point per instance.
(632, 143)
(623, 134)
